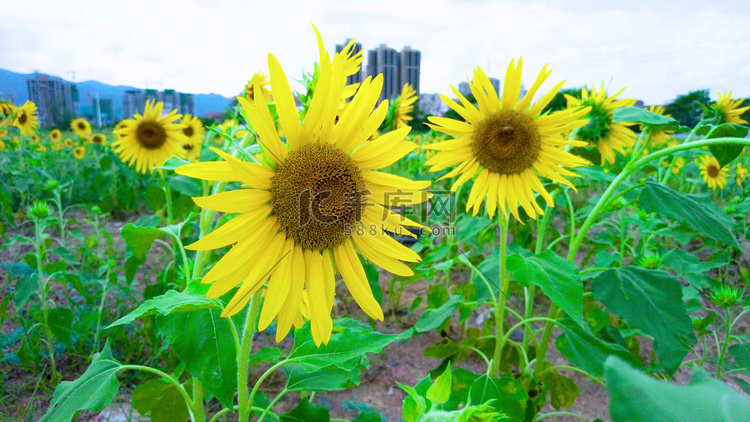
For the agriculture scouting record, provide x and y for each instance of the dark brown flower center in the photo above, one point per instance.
(22, 118)
(713, 171)
(506, 142)
(81, 125)
(151, 135)
(188, 131)
(318, 196)
(188, 147)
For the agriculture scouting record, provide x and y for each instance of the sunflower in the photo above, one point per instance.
(149, 140)
(7, 108)
(57, 147)
(55, 136)
(403, 107)
(740, 174)
(728, 110)
(678, 164)
(260, 80)
(194, 132)
(2, 146)
(3, 133)
(15, 139)
(506, 143)
(660, 137)
(314, 202)
(601, 132)
(81, 127)
(26, 118)
(69, 143)
(41, 148)
(714, 175)
(35, 138)
(79, 153)
(99, 139)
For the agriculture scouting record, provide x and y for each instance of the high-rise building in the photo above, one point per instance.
(53, 98)
(409, 66)
(384, 60)
(357, 77)
(187, 104)
(495, 84)
(464, 88)
(133, 101)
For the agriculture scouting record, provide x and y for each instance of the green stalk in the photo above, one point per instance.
(198, 411)
(243, 357)
(43, 297)
(170, 380)
(723, 350)
(502, 294)
(61, 221)
(105, 284)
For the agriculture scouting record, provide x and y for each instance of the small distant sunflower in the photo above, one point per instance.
(728, 110)
(306, 203)
(81, 127)
(68, 143)
(3, 133)
(601, 132)
(57, 147)
(150, 139)
(262, 81)
(41, 148)
(7, 108)
(35, 138)
(55, 136)
(79, 153)
(679, 163)
(194, 132)
(15, 139)
(660, 137)
(714, 175)
(2, 146)
(506, 145)
(99, 139)
(740, 174)
(403, 107)
(26, 119)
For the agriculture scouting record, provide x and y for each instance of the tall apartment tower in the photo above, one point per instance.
(357, 77)
(133, 101)
(385, 60)
(409, 65)
(53, 98)
(187, 104)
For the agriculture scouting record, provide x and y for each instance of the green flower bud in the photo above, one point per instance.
(736, 200)
(39, 210)
(726, 296)
(52, 184)
(96, 210)
(651, 262)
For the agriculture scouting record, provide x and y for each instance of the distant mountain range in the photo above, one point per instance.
(15, 84)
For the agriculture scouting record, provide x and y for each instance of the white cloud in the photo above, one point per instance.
(656, 50)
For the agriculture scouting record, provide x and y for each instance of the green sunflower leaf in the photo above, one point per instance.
(434, 318)
(329, 378)
(702, 218)
(92, 391)
(162, 399)
(173, 163)
(651, 301)
(192, 298)
(306, 411)
(641, 115)
(636, 396)
(725, 154)
(558, 278)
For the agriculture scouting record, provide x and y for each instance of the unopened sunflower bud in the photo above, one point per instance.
(651, 262)
(52, 184)
(726, 296)
(39, 210)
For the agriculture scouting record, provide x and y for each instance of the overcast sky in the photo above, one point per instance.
(655, 49)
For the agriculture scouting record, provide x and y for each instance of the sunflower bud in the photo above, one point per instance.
(51, 185)
(39, 210)
(726, 296)
(736, 200)
(651, 262)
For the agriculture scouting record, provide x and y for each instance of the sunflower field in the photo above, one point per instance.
(320, 260)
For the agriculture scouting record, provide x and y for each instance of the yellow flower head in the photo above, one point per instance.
(2, 146)
(714, 175)
(81, 127)
(194, 132)
(740, 174)
(315, 200)
(149, 140)
(728, 110)
(7, 108)
(79, 153)
(99, 139)
(3, 133)
(506, 144)
(608, 137)
(41, 148)
(679, 163)
(68, 143)
(55, 136)
(404, 106)
(26, 119)
(262, 81)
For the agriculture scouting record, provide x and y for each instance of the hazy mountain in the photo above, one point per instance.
(12, 83)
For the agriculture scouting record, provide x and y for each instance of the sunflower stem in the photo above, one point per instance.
(243, 357)
(503, 221)
(39, 229)
(688, 138)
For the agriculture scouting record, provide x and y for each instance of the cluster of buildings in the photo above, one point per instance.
(59, 101)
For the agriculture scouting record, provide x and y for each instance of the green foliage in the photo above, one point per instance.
(161, 399)
(686, 108)
(559, 102)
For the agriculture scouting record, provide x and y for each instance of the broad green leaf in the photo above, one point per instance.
(651, 301)
(563, 390)
(306, 412)
(588, 352)
(184, 185)
(595, 173)
(139, 239)
(346, 348)
(461, 381)
(414, 404)
(265, 354)
(61, 324)
(740, 352)
(204, 342)
(368, 415)
(66, 255)
(636, 396)
(504, 394)
(725, 153)
(26, 286)
(162, 399)
(170, 302)
(666, 201)
(689, 267)
(558, 278)
(92, 391)
(641, 115)
(440, 390)
(329, 378)
(435, 317)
